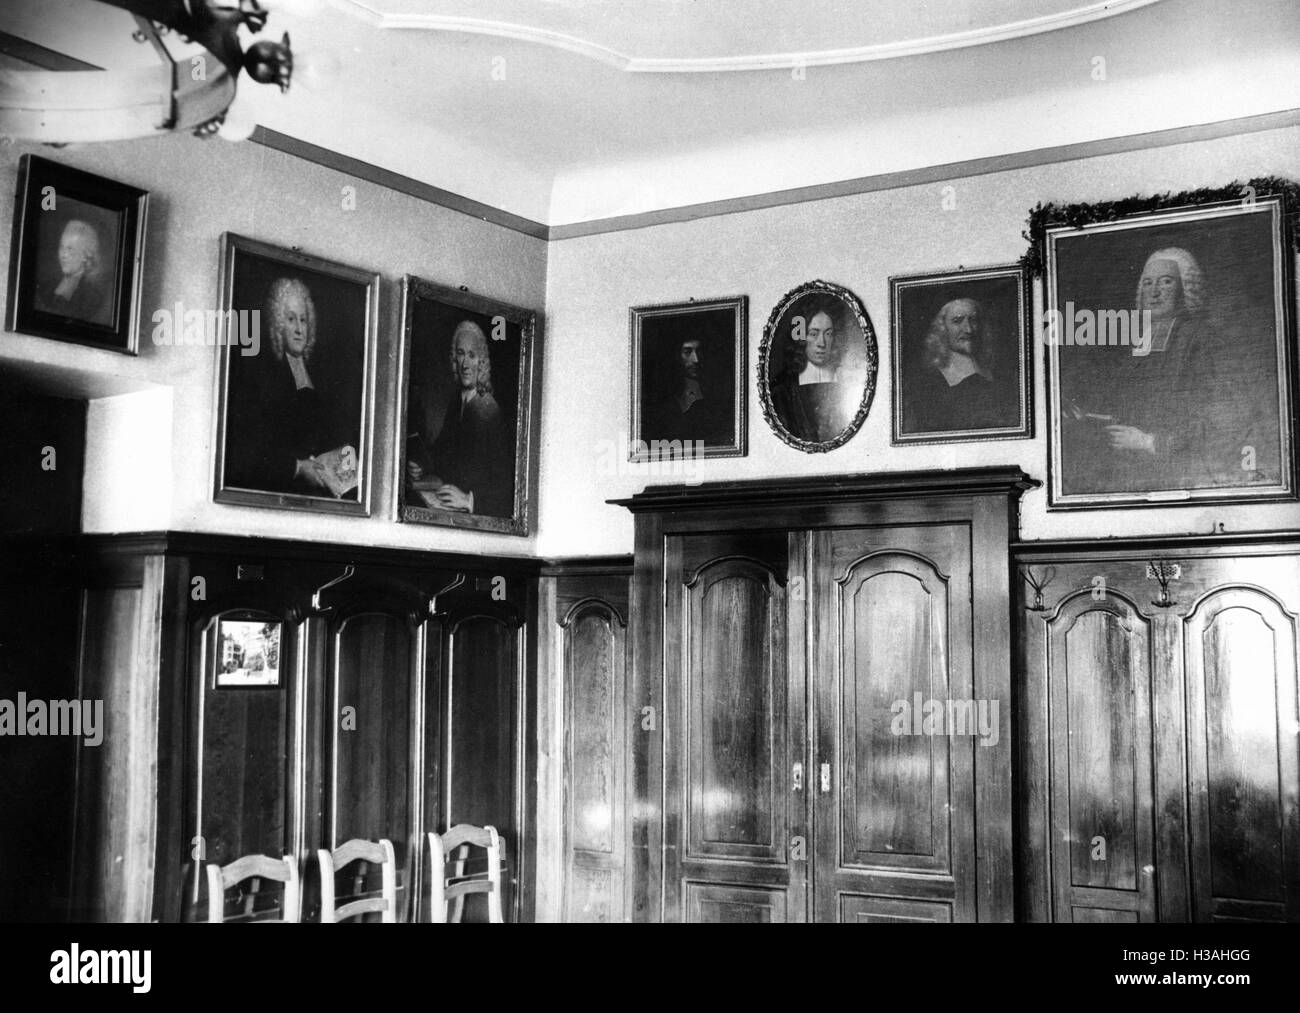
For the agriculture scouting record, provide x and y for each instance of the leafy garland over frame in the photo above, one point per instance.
(1044, 216)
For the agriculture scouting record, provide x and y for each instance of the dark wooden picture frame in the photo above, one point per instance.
(286, 419)
(828, 414)
(1200, 405)
(692, 354)
(961, 363)
(464, 423)
(77, 257)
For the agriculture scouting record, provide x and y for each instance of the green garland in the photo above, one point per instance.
(1044, 216)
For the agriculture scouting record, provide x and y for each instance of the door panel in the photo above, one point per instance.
(895, 723)
(712, 904)
(1244, 773)
(242, 770)
(892, 909)
(368, 783)
(730, 704)
(1099, 664)
(480, 760)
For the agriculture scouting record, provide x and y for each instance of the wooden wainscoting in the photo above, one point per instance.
(584, 733)
(1159, 777)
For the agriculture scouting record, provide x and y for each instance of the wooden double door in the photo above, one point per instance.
(811, 770)
(1160, 735)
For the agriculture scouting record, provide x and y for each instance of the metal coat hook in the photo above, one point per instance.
(433, 602)
(316, 606)
(1038, 586)
(1164, 573)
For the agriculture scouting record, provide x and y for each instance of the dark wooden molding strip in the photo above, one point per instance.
(833, 488)
(254, 549)
(733, 205)
(933, 174)
(586, 565)
(1055, 549)
(396, 181)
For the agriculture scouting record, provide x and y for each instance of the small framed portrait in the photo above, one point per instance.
(817, 367)
(247, 653)
(1169, 346)
(688, 379)
(76, 262)
(960, 355)
(466, 383)
(295, 380)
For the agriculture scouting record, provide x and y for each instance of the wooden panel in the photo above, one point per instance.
(1099, 669)
(368, 782)
(1241, 650)
(711, 903)
(1099, 915)
(591, 894)
(480, 756)
(895, 649)
(855, 908)
(735, 693)
(110, 655)
(595, 666)
(243, 769)
(594, 641)
(729, 798)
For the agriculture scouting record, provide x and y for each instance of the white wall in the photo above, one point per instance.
(857, 241)
(149, 454)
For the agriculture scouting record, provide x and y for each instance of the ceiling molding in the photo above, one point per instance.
(630, 63)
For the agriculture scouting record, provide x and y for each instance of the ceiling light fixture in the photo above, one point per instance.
(95, 70)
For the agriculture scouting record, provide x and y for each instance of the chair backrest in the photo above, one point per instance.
(378, 853)
(454, 885)
(255, 867)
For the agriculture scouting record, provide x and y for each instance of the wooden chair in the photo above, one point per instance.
(357, 850)
(255, 867)
(454, 846)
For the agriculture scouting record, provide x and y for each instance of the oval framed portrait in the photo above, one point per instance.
(817, 367)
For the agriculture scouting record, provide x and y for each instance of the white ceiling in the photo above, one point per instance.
(565, 111)
(710, 35)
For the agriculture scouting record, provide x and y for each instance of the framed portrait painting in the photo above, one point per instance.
(960, 357)
(1170, 356)
(465, 410)
(817, 367)
(77, 255)
(688, 379)
(295, 380)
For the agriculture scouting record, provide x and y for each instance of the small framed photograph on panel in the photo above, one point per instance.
(247, 653)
